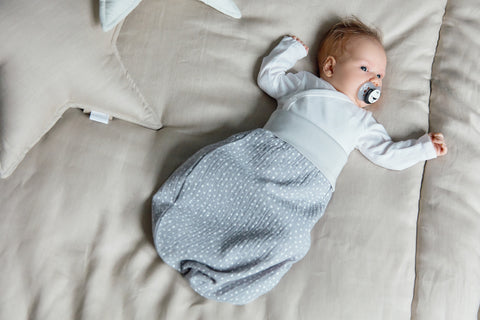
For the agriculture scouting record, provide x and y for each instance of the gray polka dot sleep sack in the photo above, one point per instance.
(235, 217)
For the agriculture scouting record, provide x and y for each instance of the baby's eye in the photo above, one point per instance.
(379, 76)
(363, 68)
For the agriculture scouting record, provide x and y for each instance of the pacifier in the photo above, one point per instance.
(369, 93)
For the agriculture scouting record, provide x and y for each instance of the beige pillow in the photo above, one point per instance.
(54, 56)
(448, 256)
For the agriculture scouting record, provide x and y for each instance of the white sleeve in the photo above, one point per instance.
(377, 146)
(273, 78)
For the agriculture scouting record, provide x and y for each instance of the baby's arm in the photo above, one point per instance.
(379, 148)
(273, 78)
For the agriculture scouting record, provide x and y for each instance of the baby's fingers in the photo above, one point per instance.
(303, 44)
(442, 149)
(437, 138)
(438, 141)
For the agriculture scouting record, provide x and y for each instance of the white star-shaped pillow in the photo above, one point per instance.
(54, 56)
(113, 11)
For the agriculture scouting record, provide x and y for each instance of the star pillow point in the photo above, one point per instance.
(58, 57)
(113, 11)
(227, 7)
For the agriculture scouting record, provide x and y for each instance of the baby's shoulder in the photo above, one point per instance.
(308, 75)
(312, 81)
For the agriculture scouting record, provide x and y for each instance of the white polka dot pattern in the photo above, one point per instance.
(236, 216)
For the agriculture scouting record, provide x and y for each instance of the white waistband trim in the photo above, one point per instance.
(311, 141)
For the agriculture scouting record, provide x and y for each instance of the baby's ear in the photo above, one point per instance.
(328, 66)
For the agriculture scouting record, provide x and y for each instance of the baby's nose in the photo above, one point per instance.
(376, 81)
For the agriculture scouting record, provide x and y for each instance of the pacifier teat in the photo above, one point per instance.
(369, 93)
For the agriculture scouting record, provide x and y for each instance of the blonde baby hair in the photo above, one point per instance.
(335, 40)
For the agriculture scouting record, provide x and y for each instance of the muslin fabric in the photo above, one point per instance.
(235, 217)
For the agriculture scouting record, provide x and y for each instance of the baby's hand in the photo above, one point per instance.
(438, 143)
(303, 44)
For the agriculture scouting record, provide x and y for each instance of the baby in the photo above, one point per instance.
(235, 217)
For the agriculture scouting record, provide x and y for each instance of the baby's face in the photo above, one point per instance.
(363, 60)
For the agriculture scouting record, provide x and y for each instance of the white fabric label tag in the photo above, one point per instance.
(99, 117)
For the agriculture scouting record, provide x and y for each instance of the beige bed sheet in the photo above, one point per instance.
(75, 224)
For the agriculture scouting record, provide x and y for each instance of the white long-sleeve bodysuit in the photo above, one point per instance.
(324, 124)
